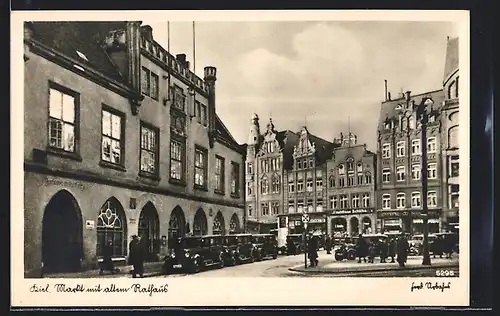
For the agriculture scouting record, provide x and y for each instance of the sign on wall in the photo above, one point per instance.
(89, 224)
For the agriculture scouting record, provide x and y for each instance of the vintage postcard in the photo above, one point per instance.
(257, 158)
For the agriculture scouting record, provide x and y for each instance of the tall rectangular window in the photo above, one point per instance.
(386, 201)
(219, 174)
(432, 171)
(309, 185)
(341, 182)
(319, 184)
(200, 168)
(386, 151)
(355, 200)
(319, 205)
(179, 99)
(265, 209)
(368, 178)
(300, 206)
(275, 208)
(203, 115)
(197, 111)
(360, 179)
(235, 179)
(400, 200)
(415, 147)
(400, 149)
(431, 145)
(291, 207)
(250, 213)
(291, 186)
(415, 199)
(454, 195)
(366, 200)
(177, 160)
(386, 175)
(400, 173)
(300, 185)
(112, 140)
(310, 207)
(432, 199)
(154, 86)
(145, 86)
(250, 168)
(149, 149)
(344, 201)
(250, 188)
(415, 172)
(454, 166)
(333, 202)
(62, 119)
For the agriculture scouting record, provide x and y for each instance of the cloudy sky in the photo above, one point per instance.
(322, 73)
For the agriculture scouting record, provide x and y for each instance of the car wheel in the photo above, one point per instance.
(275, 256)
(196, 266)
(221, 261)
(339, 257)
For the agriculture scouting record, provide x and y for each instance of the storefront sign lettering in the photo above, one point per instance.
(431, 214)
(316, 220)
(392, 214)
(353, 211)
(72, 184)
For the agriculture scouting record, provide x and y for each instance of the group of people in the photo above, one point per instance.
(389, 248)
(136, 257)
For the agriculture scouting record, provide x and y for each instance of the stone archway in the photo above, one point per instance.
(200, 225)
(234, 224)
(149, 230)
(354, 226)
(176, 226)
(219, 227)
(62, 239)
(112, 228)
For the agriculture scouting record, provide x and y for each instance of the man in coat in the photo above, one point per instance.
(384, 250)
(392, 249)
(107, 261)
(361, 248)
(328, 244)
(312, 250)
(402, 249)
(136, 256)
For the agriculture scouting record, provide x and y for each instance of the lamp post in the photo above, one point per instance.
(422, 110)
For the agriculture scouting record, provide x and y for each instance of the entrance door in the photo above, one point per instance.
(149, 230)
(62, 246)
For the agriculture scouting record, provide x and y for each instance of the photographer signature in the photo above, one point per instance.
(439, 286)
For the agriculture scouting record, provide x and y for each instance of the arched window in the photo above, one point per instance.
(453, 137)
(332, 181)
(264, 186)
(219, 225)
(112, 227)
(276, 184)
(341, 169)
(200, 223)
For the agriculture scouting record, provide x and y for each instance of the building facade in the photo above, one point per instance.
(399, 189)
(132, 146)
(351, 201)
(450, 136)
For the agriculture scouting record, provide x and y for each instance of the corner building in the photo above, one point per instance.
(351, 188)
(399, 164)
(121, 138)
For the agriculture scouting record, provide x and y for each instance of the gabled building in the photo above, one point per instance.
(351, 173)
(120, 139)
(398, 179)
(450, 136)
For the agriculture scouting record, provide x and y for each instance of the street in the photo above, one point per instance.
(280, 268)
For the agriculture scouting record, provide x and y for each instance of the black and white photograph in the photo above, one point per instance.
(262, 153)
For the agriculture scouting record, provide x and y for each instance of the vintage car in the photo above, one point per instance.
(195, 253)
(373, 238)
(266, 246)
(239, 249)
(346, 250)
(452, 238)
(295, 244)
(416, 243)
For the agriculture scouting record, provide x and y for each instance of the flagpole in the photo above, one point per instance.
(349, 131)
(168, 50)
(194, 48)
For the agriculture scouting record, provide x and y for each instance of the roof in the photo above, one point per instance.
(80, 41)
(388, 108)
(451, 61)
(223, 132)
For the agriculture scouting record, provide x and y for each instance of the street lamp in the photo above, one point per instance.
(422, 112)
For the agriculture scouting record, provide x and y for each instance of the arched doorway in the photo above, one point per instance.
(200, 226)
(176, 226)
(219, 224)
(234, 224)
(112, 227)
(367, 225)
(339, 226)
(62, 246)
(149, 230)
(354, 226)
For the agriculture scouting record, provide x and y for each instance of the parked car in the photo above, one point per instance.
(266, 246)
(295, 244)
(239, 249)
(346, 250)
(195, 253)
(451, 237)
(374, 238)
(416, 243)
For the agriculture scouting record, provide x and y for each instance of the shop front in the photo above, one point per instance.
(433, 220)
(351, 222)
(317, 223)
(408, 221)
(450, 221)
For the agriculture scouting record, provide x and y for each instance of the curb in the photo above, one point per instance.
(302, 270)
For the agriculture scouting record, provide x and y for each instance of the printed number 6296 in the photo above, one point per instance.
(445, 273)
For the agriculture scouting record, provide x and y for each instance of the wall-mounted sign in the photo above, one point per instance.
(353, 211)
(132, 220)
(419, 214)
(316, 220)
(386, 214)
(89, 224)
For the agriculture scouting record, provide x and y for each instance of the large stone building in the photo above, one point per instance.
(449, 134)
(121, 138)
(399, 164)
(351, 188)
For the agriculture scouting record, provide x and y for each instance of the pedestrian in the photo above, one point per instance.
(384, 250)
(328, 244)
(136, 256)
(402, 250)
(312, 250)
(107, 261)
(392, 249)
(361, 248)
(448, 247)
(437, 247)
(371, 251)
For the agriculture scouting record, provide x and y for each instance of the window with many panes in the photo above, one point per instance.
(250, 188)
(112, 136)
(415, 199)
(431, 145)
(368, 178)
(275, 208)
(454, 166)
(386, 201)
(309, 185)
(400, 200)
(276, 183)
(344, 201)
(400, 173)
(63, 107)
(177, 159)
(432, 199)
(355, 200)
(264, 186)
(341, 182)
(235, 179)
(149, 83)
(149, 149)
(200, 168)
(400, 149)
(319, 184)
(415, 147)
(333, 202)
(178, 98)
(265, 209)
(219, 174)
(432, 171)
(454, 195)
(366, 200)
(350, 181)
(386, 175)
(386, 151)
(415, 172)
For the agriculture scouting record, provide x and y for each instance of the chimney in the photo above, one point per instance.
(210, 78)
(385, 91)
(388, 96)
(147, 32)
(408, 95)
(181, 58)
